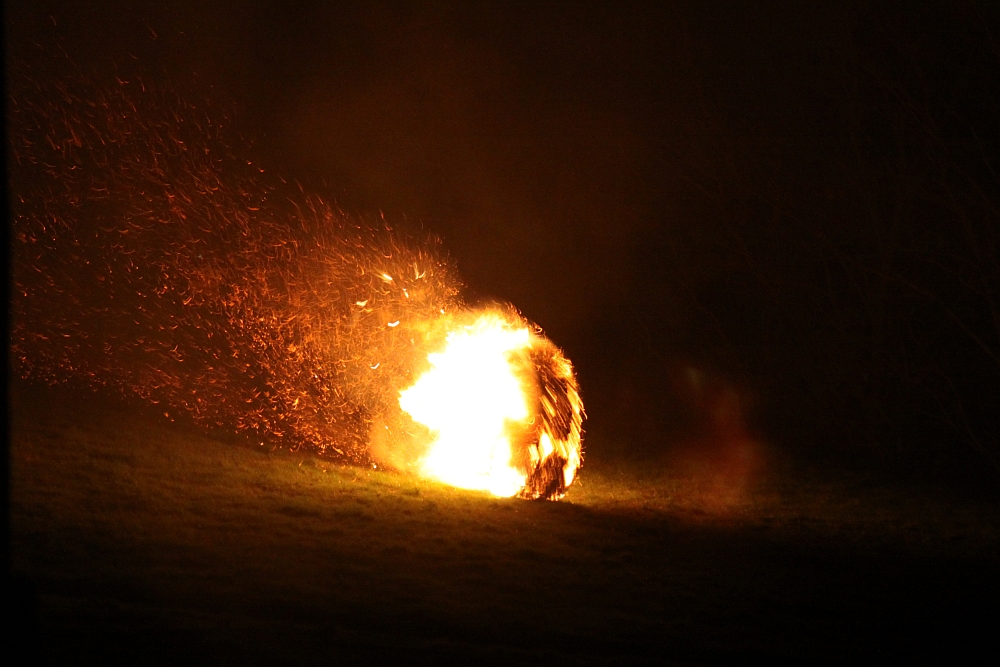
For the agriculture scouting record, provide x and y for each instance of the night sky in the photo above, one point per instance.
(689, 185)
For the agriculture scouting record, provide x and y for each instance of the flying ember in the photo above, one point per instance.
(152, 257)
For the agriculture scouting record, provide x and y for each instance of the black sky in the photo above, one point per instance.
(573, 155)
(540, 143)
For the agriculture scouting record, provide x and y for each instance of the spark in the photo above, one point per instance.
(150, 257)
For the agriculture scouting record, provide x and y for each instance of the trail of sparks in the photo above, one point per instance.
(152, 257)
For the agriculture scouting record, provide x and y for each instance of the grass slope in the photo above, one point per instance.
(148, 542)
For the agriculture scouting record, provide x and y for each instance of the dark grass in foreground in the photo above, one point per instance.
(145, 541)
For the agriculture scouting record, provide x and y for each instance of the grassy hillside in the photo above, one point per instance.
(148, 541)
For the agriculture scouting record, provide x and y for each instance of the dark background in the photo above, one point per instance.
(799, 203)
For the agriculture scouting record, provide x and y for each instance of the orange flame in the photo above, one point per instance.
(497, 420)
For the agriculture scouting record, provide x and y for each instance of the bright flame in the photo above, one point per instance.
(469, 399)
(502, 411)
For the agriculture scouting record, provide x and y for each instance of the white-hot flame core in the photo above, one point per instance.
(467, 399)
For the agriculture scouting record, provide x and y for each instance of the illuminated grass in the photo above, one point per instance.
(145, 537)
